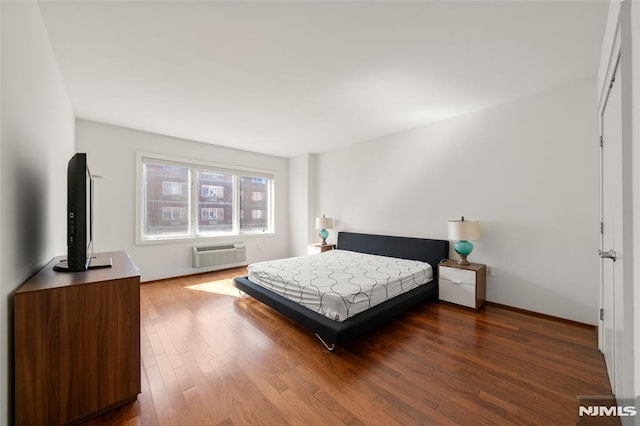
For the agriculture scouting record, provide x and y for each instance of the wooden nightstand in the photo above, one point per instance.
(464, 285)
(319, 248)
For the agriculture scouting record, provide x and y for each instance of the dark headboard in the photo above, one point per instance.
(423, 249)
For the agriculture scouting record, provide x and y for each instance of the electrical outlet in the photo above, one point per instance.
(490, 271)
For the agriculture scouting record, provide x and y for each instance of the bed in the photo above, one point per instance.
(338, 331)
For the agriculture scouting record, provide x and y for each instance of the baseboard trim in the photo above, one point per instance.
(242, 270)
(540, 315)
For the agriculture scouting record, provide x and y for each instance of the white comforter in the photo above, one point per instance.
(338, 283)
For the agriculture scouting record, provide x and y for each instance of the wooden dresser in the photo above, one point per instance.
(77, 342)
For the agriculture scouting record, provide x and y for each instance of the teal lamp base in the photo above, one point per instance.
(464, 249)
(324, 234)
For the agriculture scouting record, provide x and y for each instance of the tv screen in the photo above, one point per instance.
(79, 213)
(80, 193)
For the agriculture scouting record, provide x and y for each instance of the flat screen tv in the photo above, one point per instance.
(80, 193)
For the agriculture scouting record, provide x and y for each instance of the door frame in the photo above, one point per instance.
(614, 63)
(613, 292)
(618, 42)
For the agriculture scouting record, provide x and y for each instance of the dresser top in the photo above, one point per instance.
(47, 278)
(453, 264)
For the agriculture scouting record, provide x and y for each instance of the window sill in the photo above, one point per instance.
(205, 240)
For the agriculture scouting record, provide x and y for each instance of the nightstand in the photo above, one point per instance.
(319, 248)
(464, 285)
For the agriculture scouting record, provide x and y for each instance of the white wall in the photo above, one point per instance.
(112, 152)
(37, 140)
(301, 204)
(527, 170)
(624, 329)
(635, 49)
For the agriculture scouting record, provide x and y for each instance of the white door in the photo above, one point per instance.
(611, 242)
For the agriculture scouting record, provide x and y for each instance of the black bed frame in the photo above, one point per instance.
(336, 332)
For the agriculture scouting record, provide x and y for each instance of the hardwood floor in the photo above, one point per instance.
(210, 357)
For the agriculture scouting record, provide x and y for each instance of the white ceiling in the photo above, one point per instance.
(286, 78)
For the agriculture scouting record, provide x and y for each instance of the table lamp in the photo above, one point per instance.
(323, 223)
(461, 231)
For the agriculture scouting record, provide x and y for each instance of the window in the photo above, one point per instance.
(166, 204)
(183, 200)
(211, 191)
(254, 197)
(216, 194)
(173, 214)
(171, 188)
(214, 214)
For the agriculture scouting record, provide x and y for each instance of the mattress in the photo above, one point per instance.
(340, 284)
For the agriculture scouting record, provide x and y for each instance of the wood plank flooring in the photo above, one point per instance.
(210, 357)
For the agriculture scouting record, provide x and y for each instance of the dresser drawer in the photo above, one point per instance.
(457, 292)
(457, 275)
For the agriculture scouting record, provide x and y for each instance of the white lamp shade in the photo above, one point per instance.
(464, 230)
(324, 223)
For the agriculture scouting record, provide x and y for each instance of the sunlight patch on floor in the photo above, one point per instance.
(224, 287)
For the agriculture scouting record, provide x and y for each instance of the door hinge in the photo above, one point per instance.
(602, 228)
(601, 314)
(601, 141)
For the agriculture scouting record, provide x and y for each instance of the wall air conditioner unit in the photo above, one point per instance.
(222, 256)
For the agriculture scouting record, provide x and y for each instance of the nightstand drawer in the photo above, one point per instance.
(456, 275)
(457, 292)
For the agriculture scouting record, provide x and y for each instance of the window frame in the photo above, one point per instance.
(193, 211)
